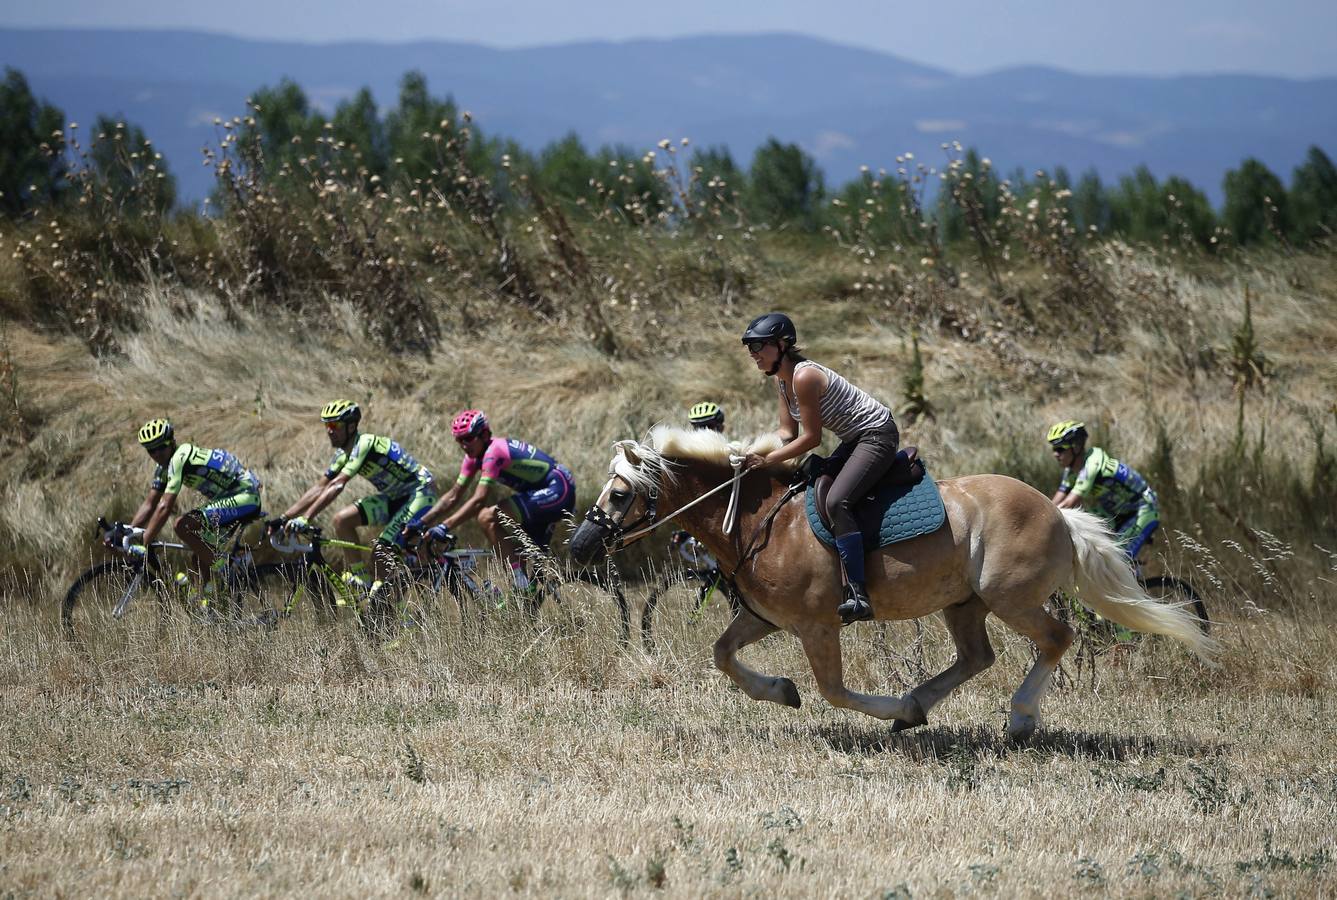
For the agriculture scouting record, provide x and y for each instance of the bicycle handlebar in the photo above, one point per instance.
(291, 540)
(415, 539)
(119, 536)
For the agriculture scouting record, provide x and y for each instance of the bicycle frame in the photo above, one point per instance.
(313, 560)
(118, 537)
(438, 564)
(122, 605)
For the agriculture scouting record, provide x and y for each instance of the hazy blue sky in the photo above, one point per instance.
(1160, 37)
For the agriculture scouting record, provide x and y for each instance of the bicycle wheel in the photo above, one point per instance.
(1178, 592)
(387, 611)
(473, 594)
(263, 594)
(113, 593)
(1099, 632)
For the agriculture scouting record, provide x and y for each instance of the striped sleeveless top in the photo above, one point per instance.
(846, 410)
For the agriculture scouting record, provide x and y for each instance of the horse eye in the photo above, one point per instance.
(617, 496)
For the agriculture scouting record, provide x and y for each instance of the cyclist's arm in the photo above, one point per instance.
(329, 492)
(146, 509)
(336, 477)
(301, 507)
(469, 508)
(442, 506)
(166, 503)
(1074, 489)
(1071, 500)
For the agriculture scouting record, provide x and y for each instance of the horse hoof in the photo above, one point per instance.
(914, 718)
(790, 691)
(1021, 729)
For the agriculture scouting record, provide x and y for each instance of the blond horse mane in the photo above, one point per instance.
(644, 465)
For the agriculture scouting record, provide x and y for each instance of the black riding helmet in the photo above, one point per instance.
(772, 327)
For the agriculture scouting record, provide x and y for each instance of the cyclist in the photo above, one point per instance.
(706, 415)
(232, 492)
(1113, 490)
(405, 489)
(543, 490)
(814, 397)
(701, 565)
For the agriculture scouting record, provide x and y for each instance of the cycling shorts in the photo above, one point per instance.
(221, 514)
(1134, 531)
(395, 513)
(540, 509)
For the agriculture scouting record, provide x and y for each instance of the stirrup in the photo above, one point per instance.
(855, 607)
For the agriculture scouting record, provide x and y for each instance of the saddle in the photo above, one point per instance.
(902, 505)
(907, 469)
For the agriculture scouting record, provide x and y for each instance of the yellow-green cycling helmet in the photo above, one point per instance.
(706, 415)
(155, 433)
(1066, 434)
(341, 411)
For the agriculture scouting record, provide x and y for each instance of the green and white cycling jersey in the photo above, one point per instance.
(384, 463)
(1116, 490)
(214, 473)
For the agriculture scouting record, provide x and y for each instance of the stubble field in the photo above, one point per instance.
(545, 759)
(542, 759)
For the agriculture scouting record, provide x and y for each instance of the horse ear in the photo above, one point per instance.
(628, 451)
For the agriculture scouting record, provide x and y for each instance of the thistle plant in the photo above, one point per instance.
(1248, 365)
(916, 407)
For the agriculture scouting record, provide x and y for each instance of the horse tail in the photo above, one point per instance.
(1106, 584)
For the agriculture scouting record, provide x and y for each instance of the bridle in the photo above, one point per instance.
(615, 531)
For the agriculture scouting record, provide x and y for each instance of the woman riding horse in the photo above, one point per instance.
(813, 396)
(1003, 550)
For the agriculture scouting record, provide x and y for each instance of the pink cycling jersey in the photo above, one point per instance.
(518, 465)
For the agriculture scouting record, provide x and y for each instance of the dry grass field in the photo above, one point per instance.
(541, 758)
(546, 760)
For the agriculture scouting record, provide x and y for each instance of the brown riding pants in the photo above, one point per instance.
(861, 463)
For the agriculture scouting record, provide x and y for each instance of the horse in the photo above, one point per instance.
(1004, 549)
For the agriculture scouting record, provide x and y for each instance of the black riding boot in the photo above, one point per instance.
(856, 607)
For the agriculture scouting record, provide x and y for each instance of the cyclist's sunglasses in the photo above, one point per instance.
(333, 426)
(756, 346)
(465, 438)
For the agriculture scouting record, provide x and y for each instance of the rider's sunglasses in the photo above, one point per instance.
(465, 438)
(333, 426)
(756, 346)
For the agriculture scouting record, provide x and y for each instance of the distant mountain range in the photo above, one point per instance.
(845, 106)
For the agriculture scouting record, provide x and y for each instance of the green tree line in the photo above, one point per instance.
(285, 140)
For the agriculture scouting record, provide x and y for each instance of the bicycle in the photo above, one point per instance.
(1168, 589)
(107, 591)
(432, 565)
(443, 565)
(1162, 588)
(708, 578)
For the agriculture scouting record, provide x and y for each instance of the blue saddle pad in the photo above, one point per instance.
(892, 514)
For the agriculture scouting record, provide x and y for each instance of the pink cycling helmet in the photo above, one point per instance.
(469, 423)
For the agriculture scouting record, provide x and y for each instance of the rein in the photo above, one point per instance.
(615, 529)
(730, 514)
(751, 546)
